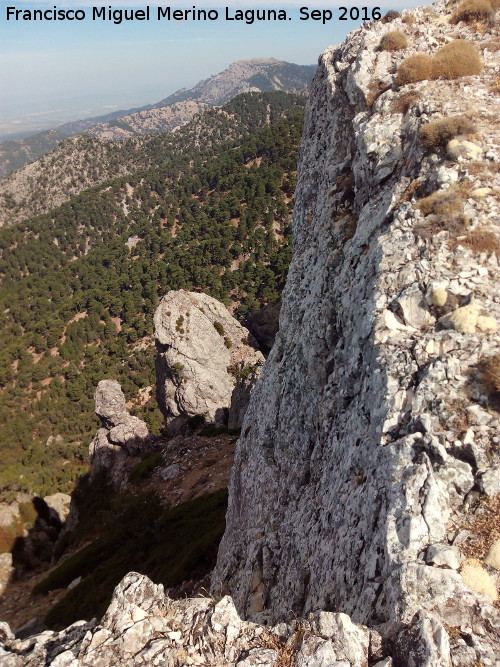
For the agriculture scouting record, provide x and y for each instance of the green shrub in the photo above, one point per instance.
(393, 41)
(437, 133)
(28, 513)
(219, 328)
(414, 68)
(228, 342)
(178, 324)
(456, 59)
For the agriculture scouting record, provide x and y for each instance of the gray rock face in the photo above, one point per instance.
(121, 429)
(201, 351)
(350, 464)
(143, 627)
(247, 377)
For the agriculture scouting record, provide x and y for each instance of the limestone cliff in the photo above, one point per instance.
(372, 429)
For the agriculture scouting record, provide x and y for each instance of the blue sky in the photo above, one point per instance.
(51, 72)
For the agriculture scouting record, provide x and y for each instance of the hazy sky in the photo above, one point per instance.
(52, 72)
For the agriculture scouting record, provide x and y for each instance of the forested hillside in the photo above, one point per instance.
(79, 284)
(82, 162)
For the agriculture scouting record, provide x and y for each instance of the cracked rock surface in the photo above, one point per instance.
(371, 429)
(144, 627)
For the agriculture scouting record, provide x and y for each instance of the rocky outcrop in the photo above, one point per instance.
(58, 504)
(121, 433)
(372, 427)
(201, 351)
(144, 627)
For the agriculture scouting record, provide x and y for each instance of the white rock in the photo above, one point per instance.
(443, 555)
(198, 341)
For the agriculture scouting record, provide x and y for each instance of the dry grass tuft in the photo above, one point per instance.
(440, 203)
(490, 375)
(456, 59)
(493, 45)
(473, 10)
(437, 133)
(375, 88)
(390, 16)
(414, 68)
(8, 536)
(484, 526)
(393, 41)
(405, 101)
(478, 240)
(434, 224)
(286, 650)
(409, 19)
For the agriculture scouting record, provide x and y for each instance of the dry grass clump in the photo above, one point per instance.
(456, 59)
(443, 211)
(434, 224)
(375, 88)
(409, 19)
(473, 10)
(405, 101)
(490, 375)
(485, 528)
(478, 240)
(414, 68)
(437, 133)
(390, 16)
(440, 203)
(393, 41)
(493, 45)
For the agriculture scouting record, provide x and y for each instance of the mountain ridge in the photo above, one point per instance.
(84, 161)
(213, 91)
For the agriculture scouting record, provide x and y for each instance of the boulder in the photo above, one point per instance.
(201, 349)
(58, 504)
(122, 433)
